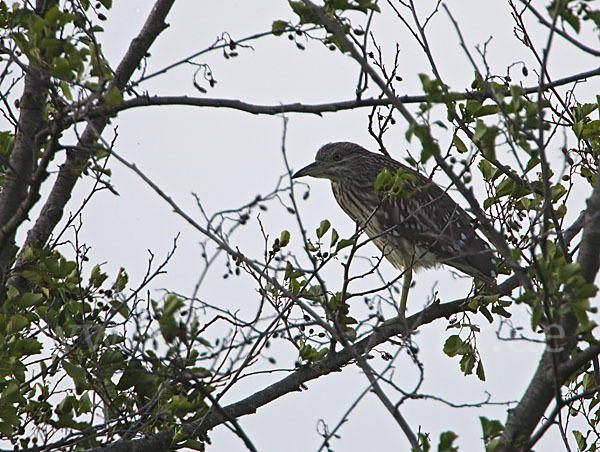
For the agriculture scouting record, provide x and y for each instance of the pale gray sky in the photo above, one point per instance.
(227, 157)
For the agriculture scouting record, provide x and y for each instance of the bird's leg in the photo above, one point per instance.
(406, 282)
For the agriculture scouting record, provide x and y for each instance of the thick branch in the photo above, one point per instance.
(297, 107)
(523, 419)
(23, 156)
(77, 160)
(293, 382)
(10, 226)
(28, 141)
(589, 253)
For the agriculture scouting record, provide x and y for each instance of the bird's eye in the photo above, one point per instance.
(337, 157)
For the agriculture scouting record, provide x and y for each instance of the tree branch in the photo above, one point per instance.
(318, 109)
(558, 31)
(589, 252)
(76, 161)
(294, 382)
(28, 140)
(523, 419)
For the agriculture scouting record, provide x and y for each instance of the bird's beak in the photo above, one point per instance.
(314, 169)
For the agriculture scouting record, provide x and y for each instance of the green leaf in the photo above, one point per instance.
(121, 281)
(9, 414)
(567, 15)
(532, 163)
(480, 130)
(51, 16)
(308, 353)
(580, 439)
(578, 129)
(349, 321)
(62, 68)
(487, 170)
(120, 307)
(12, 292)
(323, 228)
(491, 428)
(146, 384)
(17, 323)
(291, 273)
(29, 299)
(284, 239)
(587, 291)
(484, 310)
(424, 441)
(582, 111)
(480, 372)
(6, 427)
(337, 42)
(526, 297)
(75, 372)
(172, 304)
(194, 444)
(334, 237)
(536, 316)
(430, 146)
(321, 354)
(97, 278)
(11, 394)
(447, 442)
(383, 181)
(114, 97)
(28, 346)
(168, 327)
(454, 345)
(589, 382)
(304, 13)
(486, 136)
(85, 404)
(558, 191)
(167, 323)
(311, 247)
(486, 110)
(568, 271)
(467, 363)
(505, 187)
(130, 375)
(458, 143)
(113, 339)
(501, 311)
(343, 244)
(279, 27)
(64, 87)
(112, 358)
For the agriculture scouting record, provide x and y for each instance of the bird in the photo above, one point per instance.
(422, 228)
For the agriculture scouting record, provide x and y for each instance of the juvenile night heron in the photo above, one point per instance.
(423, 229)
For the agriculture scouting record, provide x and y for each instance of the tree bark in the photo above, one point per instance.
(28, 141)
(524, 418)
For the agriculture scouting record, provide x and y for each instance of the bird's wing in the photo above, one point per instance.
(429, 217)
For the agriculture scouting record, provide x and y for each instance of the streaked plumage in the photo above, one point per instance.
(423, 230)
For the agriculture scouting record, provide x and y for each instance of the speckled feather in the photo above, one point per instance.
(426, 229)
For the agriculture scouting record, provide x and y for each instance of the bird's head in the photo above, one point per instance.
(335, 161)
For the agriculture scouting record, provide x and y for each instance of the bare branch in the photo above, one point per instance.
(558, 31)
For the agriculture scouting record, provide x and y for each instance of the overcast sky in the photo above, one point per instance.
(227, 157)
